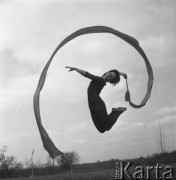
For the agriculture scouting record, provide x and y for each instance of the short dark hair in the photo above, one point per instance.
(116, 79)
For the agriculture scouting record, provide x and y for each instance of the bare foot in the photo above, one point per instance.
(119, 109)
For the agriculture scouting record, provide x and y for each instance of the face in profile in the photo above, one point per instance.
(109, 76)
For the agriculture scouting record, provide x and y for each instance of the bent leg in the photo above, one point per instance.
(113, 116)
(104, 120)
(97, 122)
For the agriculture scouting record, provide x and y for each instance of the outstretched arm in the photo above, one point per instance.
(82, 72)
(86, 74)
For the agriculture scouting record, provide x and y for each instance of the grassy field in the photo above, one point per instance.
(91, 175)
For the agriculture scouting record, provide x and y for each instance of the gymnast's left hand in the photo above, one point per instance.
(71, 68)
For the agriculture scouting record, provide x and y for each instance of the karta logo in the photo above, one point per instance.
(130, 171)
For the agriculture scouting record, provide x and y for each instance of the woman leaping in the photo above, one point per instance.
(102, 121)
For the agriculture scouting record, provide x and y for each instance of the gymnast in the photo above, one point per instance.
(102, 121)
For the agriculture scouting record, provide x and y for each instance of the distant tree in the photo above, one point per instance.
(3, 150)
(49, 163)
(67, 160)
(27, 163)
(39, 164)
(7, 163)
(161, 138)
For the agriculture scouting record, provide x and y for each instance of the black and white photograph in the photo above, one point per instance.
(87, 89)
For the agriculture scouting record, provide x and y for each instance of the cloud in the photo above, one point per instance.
(18, 92)
(125, 127)
(53, 132)
(166, 117)
(167, 110)
(4, 1)
(78, 127)
(164, 128)
(160, 49)
(12, 68)
(12, 137)
(78, 141)
(24, 31)
(155, 42)
(167, 122)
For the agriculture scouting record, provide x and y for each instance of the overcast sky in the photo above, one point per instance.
(30, 31)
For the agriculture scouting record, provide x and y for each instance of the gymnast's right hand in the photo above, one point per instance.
(125, 76)
(71, 68)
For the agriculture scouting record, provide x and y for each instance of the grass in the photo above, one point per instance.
(88, 175)
(92, 175)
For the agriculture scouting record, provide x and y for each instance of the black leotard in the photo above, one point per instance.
(102, 121)
(94, 90)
